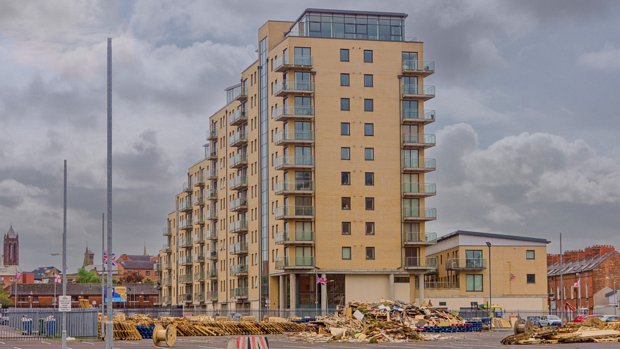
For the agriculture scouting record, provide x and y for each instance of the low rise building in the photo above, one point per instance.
(471, 266)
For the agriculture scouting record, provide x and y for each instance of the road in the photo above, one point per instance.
(482, 340)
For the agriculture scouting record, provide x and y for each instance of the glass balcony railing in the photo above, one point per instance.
(212, 295)
(186, 224)
(281, 113)
(212, 135)
(238, 226)
(238, 203)
(296, 86)
(466, 264)
(212, 273)
(239, 248)
(425, 140)
(294, 186)
(295, 136)
(212, 254)
(239, 181)
(239, 269)
(212, 173)
(199, 180)
(293, 212)
(238, 138)
(167, 232)
(416, 91)
(417, 213)
(296, 262)
(284, 62)
(211, 194)
(426, 164)
(415, 66)
(240, 159)
(300, 236)
(415, 115)
(210, 214)
(421, 262)
(414, 237)
(240, 292)
(410, 188)
(185, 206)
(293, 161)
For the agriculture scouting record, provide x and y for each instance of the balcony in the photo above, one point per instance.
(415, 141)
(187, 260)
(294, 187)
(421, 263)
(187, 242)
(238, 117)
(299, 63)
(199, 219)
(199, 297)
(415, 92)
(239, 270)
(186, 224)
(211, 234)
(239, 160)
(212, 155)
(294, 212)
(415, 67)
(187, 297)
(239, 139)
(167, 232)
(467, 264)
(238, 226)
(294, 263)
(212, 273)
(297, 238)
(185, 206)
(186, 279)
(296, 137)
(239, 182)
(293, 113)
(419, 190)
(419, 166)
(414, 214)
(212, 173)
(293, 162)
(236, 93)
(211, 215)
(187, 187)
(212, 135)
(438, 285)
(200, 237)
(166, 248)
(199, 258)
(239, 248)
(414, 239)
(239, 204)
(200, 181)
(302, 87)
(199, 201)
(212, 296)
(415, 117)
(212, 254)
(211, 194)
(240, 293)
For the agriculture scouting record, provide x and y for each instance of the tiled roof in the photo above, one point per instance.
(578, 266)
(137, 257)
(78, 289)
(143, 265)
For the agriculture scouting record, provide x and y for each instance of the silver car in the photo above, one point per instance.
(550, 320)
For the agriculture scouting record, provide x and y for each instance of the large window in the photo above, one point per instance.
(410, 60)
(302, 56)
(473, 283)
(410, 109)
(473, 259)
(350, 26)
(303, 105)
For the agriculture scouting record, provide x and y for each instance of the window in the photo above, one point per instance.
(531, 278)
(345, 129)
(370, 228)
(345, 104)
(345, 178)
(367, 80)
(369, 129)
(345, 203)
(369, 154)
(344, 79)
(369, 178)
(370, 253)
(401, 279)
(344, 55)
(346, 253)
(530, 254)
(367, 56)
(345, 153)
(473, 283)
(370, 204)
(368, 104)
(346, 228)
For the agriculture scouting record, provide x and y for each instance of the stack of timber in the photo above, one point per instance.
(386, 321)
(208, 327)
(593, 330)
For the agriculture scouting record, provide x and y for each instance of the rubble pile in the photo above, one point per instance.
(593, 330)
(387, 321)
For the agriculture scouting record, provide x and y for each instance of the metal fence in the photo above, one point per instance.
(259, 314)
(38, 323)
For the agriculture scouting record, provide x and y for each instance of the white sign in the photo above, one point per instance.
(64, 303)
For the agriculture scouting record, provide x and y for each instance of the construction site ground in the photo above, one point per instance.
(470, 340)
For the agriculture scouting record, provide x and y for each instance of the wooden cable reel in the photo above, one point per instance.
(167, 335)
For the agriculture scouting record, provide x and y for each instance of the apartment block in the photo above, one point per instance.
(315, 170)
(471, 266)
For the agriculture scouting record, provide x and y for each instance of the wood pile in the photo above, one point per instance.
(193, 327)
(387, 321)
(593, 330)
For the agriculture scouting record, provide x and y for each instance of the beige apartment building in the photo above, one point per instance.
(515, 274)
(315, 169)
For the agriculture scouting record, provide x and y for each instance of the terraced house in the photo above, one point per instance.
(315, 169)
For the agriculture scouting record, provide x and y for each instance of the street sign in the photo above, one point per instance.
(64, 303)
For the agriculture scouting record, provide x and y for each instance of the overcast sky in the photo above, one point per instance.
(528, 117)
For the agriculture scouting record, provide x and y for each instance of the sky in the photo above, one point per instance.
(527, 112)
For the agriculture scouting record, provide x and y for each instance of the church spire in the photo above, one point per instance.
(145, 249)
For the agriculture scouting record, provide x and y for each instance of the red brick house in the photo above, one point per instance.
(584, 273)
(140, 264)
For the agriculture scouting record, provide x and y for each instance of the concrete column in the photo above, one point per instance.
(392, 294)
(281, 301)
(324, 296)
(293, 291)
(421, 288)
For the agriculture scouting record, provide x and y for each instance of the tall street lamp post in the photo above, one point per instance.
(490, 284)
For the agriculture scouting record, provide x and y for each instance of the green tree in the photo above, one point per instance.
(87, 277)
(4, 299)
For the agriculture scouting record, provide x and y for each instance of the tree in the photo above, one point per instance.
(132, 277)
(87, 277)
(5, 299)
(148, 282)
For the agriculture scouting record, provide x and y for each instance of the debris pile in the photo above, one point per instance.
(387, 321)
(593, 330)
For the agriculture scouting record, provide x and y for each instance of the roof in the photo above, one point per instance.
(493, 235)
(39, 273)
(577, 266)
(138, 257)
(147, 265)
(11, 233)
(351, 12)
(79, 289)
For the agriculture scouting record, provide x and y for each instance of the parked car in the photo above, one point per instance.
(535, 320)
(550, 320)
(609, 318)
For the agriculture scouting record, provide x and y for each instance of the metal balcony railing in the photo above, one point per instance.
(239, 248)
(296, 262)
(239, 138)
(282, 113)
(415, 66)
(466, 264)
(293, 212)
(283, 162)
(301, 86)
(240, 292)
(240, 159)
(418, 213)
(416, 92)
(239, 269)
(283, 137)
(294, 186)
(416, 116)
(420, 263)
(238, 226)
(422, 189)
(238, 182)
(299, 237)
(238, 204)
(299, 62)
(426, 164)
(427, 140)
(415, 238)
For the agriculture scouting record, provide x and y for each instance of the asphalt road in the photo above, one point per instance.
(453, 341)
